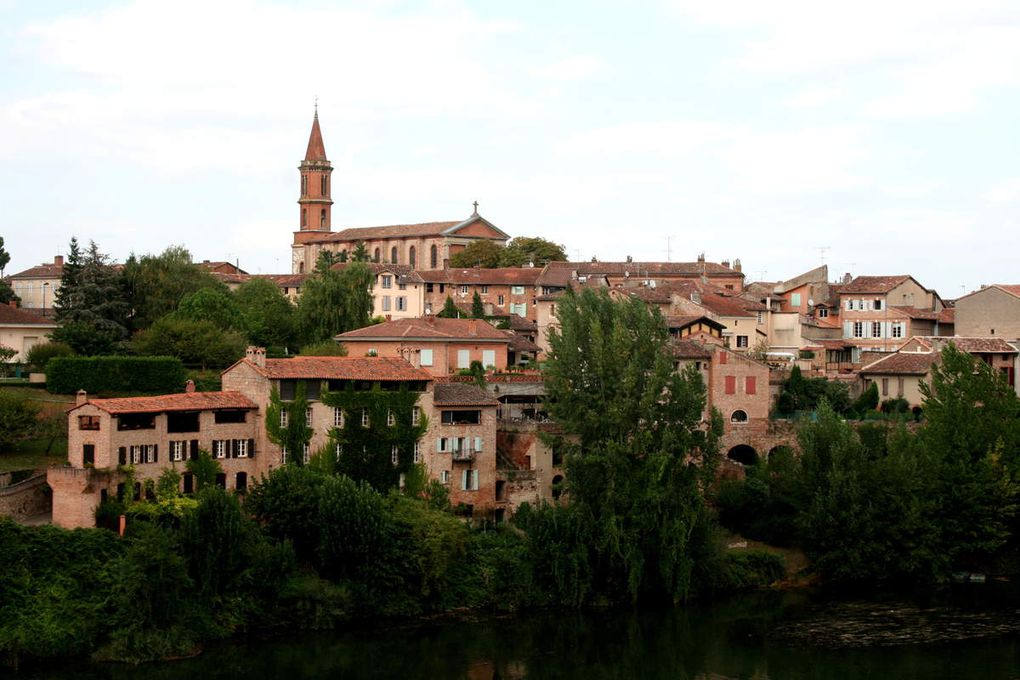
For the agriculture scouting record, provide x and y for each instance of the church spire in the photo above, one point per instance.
(316, 149)
(315, 200)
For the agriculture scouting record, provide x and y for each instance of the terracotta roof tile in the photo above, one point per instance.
(405, 272)
(22, 317)
(429, 328)
(874, 284)
(689, 349)
(288, 280)
(184, 401)
(560, 274)
(509, 276)
(902, 363)
(42, 271)
(383, 369)
(460, 394)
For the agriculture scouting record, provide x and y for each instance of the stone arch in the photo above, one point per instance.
(412, 257)
(743, 454)
(557, 487)
(738, 416)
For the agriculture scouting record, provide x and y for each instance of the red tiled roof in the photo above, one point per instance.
(915, 313)
(519, 323)
(1012, 289)
(902, 363)
(560, 274)
(404, 272)
(22, 317)
(874, 284)
(424, 229)
(185, 401)
(832, 344)
(42, 271)
(519, 343)
(509, 276)
(429, 328)
(970, 345)
(689, 349)
(460, 394)
(284, 280)
(681, 321)
(947, 315)
(372, 369)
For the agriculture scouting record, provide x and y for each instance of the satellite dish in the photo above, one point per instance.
(810, 302)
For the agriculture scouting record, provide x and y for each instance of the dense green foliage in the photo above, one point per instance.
(40, 354)
(326, 348)
(287, 426)
(804, 394)
(482, 253)
(477, 308)
(91, 304)
(334, 301)
(270, 319)
(6, 292)
(18, 417)
(67, 375)
(449, 310)
(519, 252)
(198, 343)
(156, 284)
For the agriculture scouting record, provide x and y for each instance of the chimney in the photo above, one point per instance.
(58, 260)
(82, 397)
(256, 355)
(847, 278)
(725, 263)
(737, 267)
(701, 257)
(189, 386)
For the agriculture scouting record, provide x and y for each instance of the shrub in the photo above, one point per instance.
(66, 375)
(17, 419)
(747, 569)
(326, 348)
(40, 355)
(898, 405)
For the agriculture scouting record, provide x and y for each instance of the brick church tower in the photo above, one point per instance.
(315, 203)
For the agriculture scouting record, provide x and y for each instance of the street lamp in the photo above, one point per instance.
(45, 287)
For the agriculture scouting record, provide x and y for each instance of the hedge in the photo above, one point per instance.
(67, 375)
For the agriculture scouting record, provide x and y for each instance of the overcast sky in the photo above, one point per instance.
(883, 135)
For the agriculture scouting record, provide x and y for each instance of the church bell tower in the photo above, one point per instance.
(315, 203)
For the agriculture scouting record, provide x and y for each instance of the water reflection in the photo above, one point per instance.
(732, 639)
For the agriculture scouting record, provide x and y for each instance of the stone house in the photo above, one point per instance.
(990, 311)
(879, 313)
(37, 286)
(438, 345)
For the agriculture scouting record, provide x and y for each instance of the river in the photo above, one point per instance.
(966, 632)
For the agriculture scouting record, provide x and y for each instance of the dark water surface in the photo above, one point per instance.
(966, 633)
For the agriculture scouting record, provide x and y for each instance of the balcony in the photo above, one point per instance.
(464, 455)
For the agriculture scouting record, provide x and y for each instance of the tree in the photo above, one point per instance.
(449, 310)
(524, 250)
(481, 253)
(6, 354)
(477, 308)
(354, 525)
(286, 424)
(40, 354)
(335, 301)
(90, 304)
(326, 348)
(204, 469)
(5, 257)
(360, 252)
(215, 305)
(268, 315)
(17, 419)
(637, 455)
(156, 284)
(196, 343)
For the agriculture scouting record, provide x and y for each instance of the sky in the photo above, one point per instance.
(876, 137)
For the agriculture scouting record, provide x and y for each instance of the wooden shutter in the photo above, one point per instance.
(731, 384)
(750, 385)
(251, 448)
(233, 448)
(464, 480)
(155, 453)
(478, 443)
(122, 455)
(439, 445)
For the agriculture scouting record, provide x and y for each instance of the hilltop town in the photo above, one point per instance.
(469, 342)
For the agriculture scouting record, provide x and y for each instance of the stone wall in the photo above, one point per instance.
(26, 499)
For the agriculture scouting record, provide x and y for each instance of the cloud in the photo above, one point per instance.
(577, 67)
(1006, 191)
(651, 137)
(814, 98)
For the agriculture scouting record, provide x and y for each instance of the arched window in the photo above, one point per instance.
(434, 257)
(322, 218)
(412, 257)
(393, 255)
(301, 268)
(377, 255)
(738, 416)
(304, 217)
(325, 187)
(304, 185)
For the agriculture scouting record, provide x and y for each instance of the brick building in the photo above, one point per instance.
(504, 291)
(879, 313)
(420, 246)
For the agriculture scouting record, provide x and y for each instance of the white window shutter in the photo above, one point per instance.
(474, 479)
(478, 443)
(848, 329)
(464, 480)
(439, 445)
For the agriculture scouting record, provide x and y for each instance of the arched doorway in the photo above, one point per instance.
(743, 454)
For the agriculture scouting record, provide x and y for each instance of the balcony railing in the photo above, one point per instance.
(465, 455)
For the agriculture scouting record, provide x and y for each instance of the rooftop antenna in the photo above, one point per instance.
(668, 251)
(852, 266)
(577, 251)
(762, 273)
(821, 252)
(316, 106)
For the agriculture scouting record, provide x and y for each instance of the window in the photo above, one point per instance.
(897, 330)
(240, 448)
(391, 419)
(878, 304)
(750, 385)
(463, 358)
(402, 303)
(463, 290)
(376, 256)
(338, 447)
(143, 453)
(322, 218)
(517, 290)
(304, 185)
(469, 480)
(393, 255)
(738, 416)
(221, 417)
(461, 417)
(177, 451)
(488, 357)
(323, 187)
(433, 256)
(520, 309)
(885, 387)
(761, 317)
(429, 287)
(417, 452)
(876, 329)
(823, 312)
(415, 415)
(426, 357)
(88, 455)
(137, 421)
(858, 329)
(306, 453)
(444, 477)
(88, 422)
(899, 387)
(731, 384)
(283, 417)
(364, 417)
(741, 341)
(501, 301)
(219, 447)
(386, 281)
(394, 455)
(484, 290)
(304, 217)
(412, 257)
(241, 482)
(386, 303)
(442, 445)
(283, 454)
(795, 300)
(338, 417)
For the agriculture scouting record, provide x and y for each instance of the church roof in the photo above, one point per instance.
(426, 229)
(316, 149)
